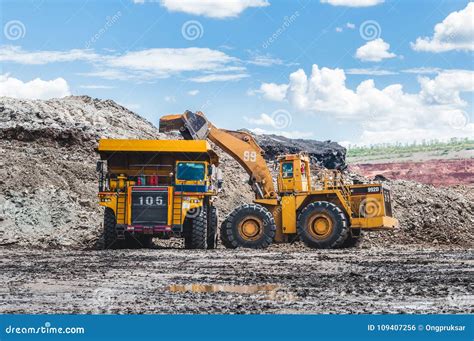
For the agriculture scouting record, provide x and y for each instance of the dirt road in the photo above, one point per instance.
(237, 281)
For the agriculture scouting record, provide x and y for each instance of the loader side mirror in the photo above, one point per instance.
(99, 167)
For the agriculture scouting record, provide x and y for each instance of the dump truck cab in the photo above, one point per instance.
(157, 188)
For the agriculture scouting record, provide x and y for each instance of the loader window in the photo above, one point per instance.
(287, 170)
(190, 171)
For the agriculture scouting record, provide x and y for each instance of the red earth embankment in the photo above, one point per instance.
(434, 172)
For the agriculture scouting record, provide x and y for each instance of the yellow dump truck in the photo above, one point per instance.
(327, 211)
(157, 188)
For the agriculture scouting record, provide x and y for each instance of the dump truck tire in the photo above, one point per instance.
(223, 236)
(354, 238)
(212, 221)
(196, 236)
(110, 233)
(250, 226)
(322, 225)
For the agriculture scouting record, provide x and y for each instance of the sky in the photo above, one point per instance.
(354, 71)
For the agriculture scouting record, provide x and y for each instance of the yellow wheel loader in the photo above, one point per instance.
(324, 212)
(157, 188)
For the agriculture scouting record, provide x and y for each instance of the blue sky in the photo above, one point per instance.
(251, 63)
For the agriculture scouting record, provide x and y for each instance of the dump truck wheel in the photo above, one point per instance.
(322, 225)
(110, 233)
(212, 221)
(196, 234)
(251, 226)
(354, 238)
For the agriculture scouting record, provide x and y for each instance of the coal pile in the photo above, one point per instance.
(326, 154)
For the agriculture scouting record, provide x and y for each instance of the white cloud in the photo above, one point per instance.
(456, 32)
(264, 60)
(166, 61)
(96, 86)
(272, 91)
(218, 9)
(292, 134)
(140, 65)
(16, 54)
(423, 70)
(374, 51)
(353, 3)
(350, 26)
(193, 92)
(339, 29)
(262, 120)
(34, 89)
(170, 99)
(388, 114)
(219, 78)
(370, 72)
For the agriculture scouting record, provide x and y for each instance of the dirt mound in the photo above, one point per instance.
(430, 215)
(71, 120)
(48, 184)
(327, 153)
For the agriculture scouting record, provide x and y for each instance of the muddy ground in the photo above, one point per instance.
(281, 279)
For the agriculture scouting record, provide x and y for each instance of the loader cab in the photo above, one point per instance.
(294, 173)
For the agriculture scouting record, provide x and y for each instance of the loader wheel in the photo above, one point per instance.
(110, 233)
(251, 226)
(196, 234)
(354, 238)
(212, 221)
(322, 225)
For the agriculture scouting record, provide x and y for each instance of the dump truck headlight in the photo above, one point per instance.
(105, 200)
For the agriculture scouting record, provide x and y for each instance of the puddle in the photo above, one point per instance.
(209, 288)
(271, 292)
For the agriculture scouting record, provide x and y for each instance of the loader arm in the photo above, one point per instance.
(240, 145)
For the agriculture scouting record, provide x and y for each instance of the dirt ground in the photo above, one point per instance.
(282, 279)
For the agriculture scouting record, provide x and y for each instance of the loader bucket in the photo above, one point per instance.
(193, 126)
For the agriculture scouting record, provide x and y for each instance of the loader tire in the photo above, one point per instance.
(322, 225)
(110, 233)
(196, 234)
(354, 238)
(212, 221)
(250, 226)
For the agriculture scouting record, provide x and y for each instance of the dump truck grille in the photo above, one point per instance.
(150, 205)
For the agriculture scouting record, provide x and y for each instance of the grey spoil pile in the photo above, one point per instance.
(48, 183)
